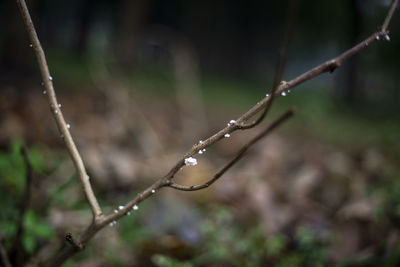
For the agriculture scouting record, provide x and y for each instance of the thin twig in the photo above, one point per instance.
(328, 66)
(281, 62)
(99, 221)
(288, 114)
(56, 111)
(393, 6)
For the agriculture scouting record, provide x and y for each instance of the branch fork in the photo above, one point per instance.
(99, 219)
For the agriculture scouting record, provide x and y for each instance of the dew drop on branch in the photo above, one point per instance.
(283, 94)
(387, 38)
(30, 45)
(153, 191)
(227, 135)
(44, 92)
(135, 207)
(68, 125)
(190, 161)
(50, 78)
(120, 207)
(59, 105)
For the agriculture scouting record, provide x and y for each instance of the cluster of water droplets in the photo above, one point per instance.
(190, 161)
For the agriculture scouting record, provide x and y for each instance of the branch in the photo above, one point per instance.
(328, 66)
(280, 64)
(99, 220)
(388, 18)
(288, 114)
(63, 127)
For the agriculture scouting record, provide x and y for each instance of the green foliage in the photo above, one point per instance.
(164, 261)
(35, 229)
(13, 171)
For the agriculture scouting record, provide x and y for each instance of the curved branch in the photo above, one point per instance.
(281, 62)
(288, 114)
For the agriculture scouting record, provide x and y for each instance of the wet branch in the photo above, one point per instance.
(288, 114)
(63, 127)
(281, 62)
(99, 220)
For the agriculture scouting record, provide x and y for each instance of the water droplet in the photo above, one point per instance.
(88, 177)
(30, 45)
(190, 161)
(201, 141)
(50, 78)
(44, 92)
(59, 105)
(227, 135)
(387, 38)
(120, 207)
(204, 150)
(153, 191)
(200, 152)
(68, 125)
(115, 211)
(111, 224)
(135, 207)
(56, 111)
(377, 37)
(232, 121)
(128, 213)
(267, 95)
(283, 94)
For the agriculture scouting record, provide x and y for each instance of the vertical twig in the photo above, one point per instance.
(57, 113)
(291, 16)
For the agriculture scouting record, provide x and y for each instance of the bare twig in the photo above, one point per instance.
(57, 113)
(328, 66)
(281, 62)
(99, 220)
(393, 6)
(238, 156)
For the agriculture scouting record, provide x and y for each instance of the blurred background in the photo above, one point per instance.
(141, 81)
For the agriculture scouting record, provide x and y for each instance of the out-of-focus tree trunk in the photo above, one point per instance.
(130, 14)
(14, 42)
(352, 90)
(83, 26)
